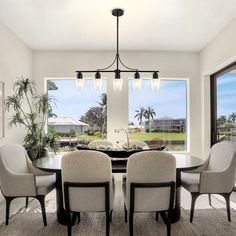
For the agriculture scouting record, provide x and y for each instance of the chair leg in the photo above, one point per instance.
(41, 199)
(131, 219)
(26, 202)
(78, 214)
(194, 197)
(157, 216)
(125, 213)
(68, 223)
(8, 203)
(168, 223)
(209, 196)
(227, 200)
(107, 223)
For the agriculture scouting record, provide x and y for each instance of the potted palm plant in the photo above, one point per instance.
(30, 109)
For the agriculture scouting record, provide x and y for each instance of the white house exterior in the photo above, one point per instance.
(66, 124)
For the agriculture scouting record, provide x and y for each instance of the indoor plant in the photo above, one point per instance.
(30, 109)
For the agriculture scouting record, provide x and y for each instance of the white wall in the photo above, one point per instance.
(15, 60)
(220, 52)
(56, 64)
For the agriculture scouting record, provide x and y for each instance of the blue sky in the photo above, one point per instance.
(226, 94)
(170, 100)
(72, 103)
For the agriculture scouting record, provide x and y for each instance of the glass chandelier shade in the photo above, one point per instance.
(97, 82)
(155, 82)
(79, 82)
(137, 81)
(117, 84)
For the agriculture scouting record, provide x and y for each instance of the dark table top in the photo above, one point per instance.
(52, 163)
(121, 153)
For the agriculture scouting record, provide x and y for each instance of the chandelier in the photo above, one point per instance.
(115, 67)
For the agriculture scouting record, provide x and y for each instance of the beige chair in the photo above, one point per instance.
(87, 182)
(216, 176)
(137, 144)
(150, 185)
(19, 178)
(100, 144)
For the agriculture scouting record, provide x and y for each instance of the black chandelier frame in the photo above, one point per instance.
(117, 60)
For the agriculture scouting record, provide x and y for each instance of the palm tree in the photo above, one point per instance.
(140, 114)
(149, 115)
(103, 104)
(232, 117)
(221, 120)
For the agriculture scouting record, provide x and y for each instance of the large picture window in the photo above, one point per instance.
(159, 117)
(77, 116)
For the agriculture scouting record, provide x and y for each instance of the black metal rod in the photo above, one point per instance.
(124, 71)
(117, 42)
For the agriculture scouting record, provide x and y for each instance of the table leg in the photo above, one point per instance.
(61, 213)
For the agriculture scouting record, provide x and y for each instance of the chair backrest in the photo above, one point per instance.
(13, 157)
(221, 155)
(96, 144)
(87, 167)
(150, 167)
(137, 143)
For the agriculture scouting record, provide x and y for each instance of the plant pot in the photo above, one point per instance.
(43, 153)
(34, 154)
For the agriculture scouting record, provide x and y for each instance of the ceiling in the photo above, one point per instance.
(173, 25)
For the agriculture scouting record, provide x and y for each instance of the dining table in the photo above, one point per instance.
(52, 163)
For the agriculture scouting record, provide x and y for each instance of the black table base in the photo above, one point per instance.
(61, 213)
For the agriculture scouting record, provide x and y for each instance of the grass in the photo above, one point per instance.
(158, 135)
(144, 136)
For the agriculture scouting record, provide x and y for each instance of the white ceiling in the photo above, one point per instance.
(179, 25)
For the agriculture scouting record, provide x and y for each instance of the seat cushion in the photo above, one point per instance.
(45, 184)
(190, 181)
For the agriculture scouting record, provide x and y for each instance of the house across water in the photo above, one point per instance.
(67, 124)
(167, 124)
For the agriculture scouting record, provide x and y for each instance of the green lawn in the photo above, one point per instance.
(164, 136)
(144, 136)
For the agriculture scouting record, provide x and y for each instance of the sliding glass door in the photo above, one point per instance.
(223, 105)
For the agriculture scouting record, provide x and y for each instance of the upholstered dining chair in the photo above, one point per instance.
(137, 143)
(216, 176)
(87, 182)
(150, 185)
(95, 144)
(19, 178)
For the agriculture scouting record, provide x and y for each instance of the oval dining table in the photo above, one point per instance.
(52, 163)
